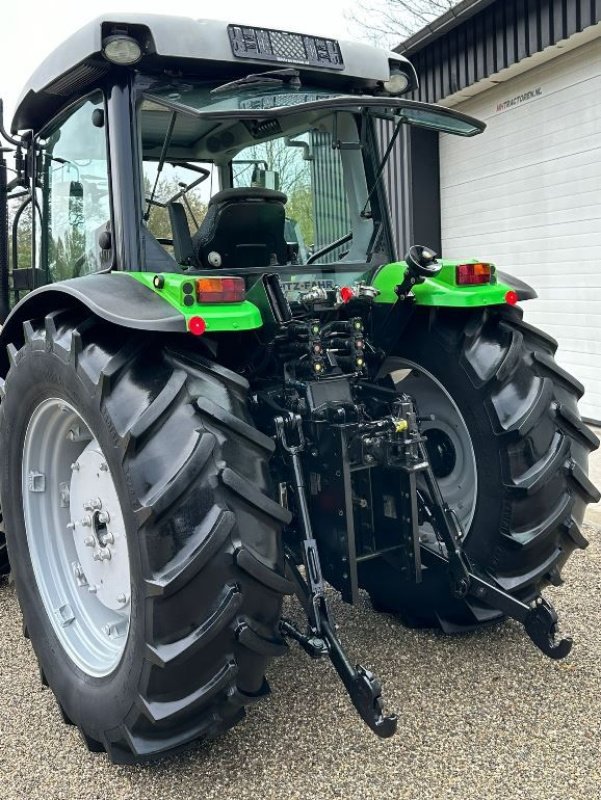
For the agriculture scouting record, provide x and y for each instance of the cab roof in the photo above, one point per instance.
(197, 47)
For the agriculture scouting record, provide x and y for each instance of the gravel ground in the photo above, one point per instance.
(482, 715)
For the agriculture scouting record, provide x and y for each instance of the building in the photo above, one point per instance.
(527, 193)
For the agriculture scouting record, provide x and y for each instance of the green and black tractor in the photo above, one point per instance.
(221, 384)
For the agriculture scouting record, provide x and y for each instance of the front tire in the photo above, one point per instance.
(203, 534)
(524, 506)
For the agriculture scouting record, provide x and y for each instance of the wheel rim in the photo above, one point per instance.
(76, 537)
(449, 445)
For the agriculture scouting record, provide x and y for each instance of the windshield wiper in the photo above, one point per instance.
(269, 78)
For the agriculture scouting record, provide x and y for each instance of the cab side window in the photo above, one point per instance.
(74, 196)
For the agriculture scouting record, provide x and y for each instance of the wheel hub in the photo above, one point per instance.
(449, 443)
(99, 529)
(441, 452)
(76, 537)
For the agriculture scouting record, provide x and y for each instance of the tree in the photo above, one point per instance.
(389, 22)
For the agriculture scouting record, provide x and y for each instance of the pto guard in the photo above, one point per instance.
(442, 290)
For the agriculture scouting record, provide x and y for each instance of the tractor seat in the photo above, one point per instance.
(243, 228)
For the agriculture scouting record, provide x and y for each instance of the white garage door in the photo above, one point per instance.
(527, 195)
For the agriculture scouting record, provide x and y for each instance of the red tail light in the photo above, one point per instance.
(473, 274)
(197, 326)
(220, 290)
(346, 294)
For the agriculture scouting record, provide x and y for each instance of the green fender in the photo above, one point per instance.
(443, 291)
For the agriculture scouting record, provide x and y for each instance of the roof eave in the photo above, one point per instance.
(441, 25)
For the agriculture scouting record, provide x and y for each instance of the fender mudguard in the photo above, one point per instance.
(523, 290)
(129, 300)
(441, 291)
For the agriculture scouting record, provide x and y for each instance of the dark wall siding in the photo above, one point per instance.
(331, 210)
(500, 35)
(396, 181)
(425, 189)
(412, 186)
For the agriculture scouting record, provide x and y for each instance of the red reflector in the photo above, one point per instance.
(511, 297)
(197, 326)
(220, 290)
(346, 294)
(472, 274)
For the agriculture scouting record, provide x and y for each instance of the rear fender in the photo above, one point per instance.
(442, 291)
(129, 300)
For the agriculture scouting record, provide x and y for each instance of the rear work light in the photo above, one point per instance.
(220, 290)
(473, 274)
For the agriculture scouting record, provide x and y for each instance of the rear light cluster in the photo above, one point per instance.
(213, 290)
(206, 291)
(220, 290)
(473, 274)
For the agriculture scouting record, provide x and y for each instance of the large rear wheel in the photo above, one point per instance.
(145, 545)
(4, 565)
(510, 452)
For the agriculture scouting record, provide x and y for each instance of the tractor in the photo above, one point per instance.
(221, 384)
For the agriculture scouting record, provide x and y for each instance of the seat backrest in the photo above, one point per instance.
(180, 230)
(243, 228)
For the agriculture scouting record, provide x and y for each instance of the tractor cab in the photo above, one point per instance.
(163, 144)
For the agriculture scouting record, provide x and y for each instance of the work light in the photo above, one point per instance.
(397, 83)
(121, 50)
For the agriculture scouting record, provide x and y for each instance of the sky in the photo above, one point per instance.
(24, 41)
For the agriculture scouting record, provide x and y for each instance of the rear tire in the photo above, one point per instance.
(531, 452)
(203, 534)
(4, 565)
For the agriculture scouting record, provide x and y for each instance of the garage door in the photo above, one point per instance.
(527, 195)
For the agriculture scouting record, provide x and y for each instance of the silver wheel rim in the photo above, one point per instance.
(459, 486)
(76, 537)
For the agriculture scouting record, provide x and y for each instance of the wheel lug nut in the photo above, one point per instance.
(93, 505)
(122, 598)
(103, 517)
(74, 466)
(70, 526)
(86, 522)
(89, 541)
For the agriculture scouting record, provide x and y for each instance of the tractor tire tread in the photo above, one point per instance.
(197, 673)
